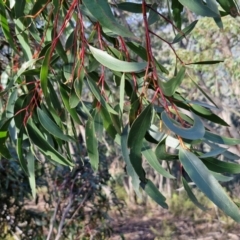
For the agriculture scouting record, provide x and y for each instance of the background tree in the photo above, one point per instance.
(72, 73)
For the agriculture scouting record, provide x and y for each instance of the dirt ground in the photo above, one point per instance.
(160, 224)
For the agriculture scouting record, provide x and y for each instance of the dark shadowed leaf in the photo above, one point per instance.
(51, 127)
(135, 139)
(216, 165)
(130, 170)
(92, 144)
(154, 193)
(191, 195)
(130, 7)
(38, 139)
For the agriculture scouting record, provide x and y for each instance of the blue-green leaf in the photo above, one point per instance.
(195, 132)
(207, 183)
(153, 161)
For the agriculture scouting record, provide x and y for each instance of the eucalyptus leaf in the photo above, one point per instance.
(207, 183)
(115, 64)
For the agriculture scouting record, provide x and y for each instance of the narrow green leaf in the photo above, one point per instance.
(153, 161)
(37, 7)
(19, 8)
(221, 177)
(170, 86)
(207, 114)
(130, 170)
(4, 150)
(135, 139)
(97, 94)
(101, 10)
(177, 9)
(72, 111)
(5, 27)
(203, 104)
(121, 94)
(200, 8)
(61, 52)
(38, 139)
(206, 62)
(44, 73)
(199, 174)
(115, 64)
(153, 16)
(154, 193)
(191, 195)
(73, 99)
(31, 170)
(107, 123)
(184, 32)
(51, 127)
(22, 35)
(195, 132)
(216, 165)
(214, 152)
(229, 6)
(98, 124)
(92, 144)
(130, 7)
(142, 52)
(220, 140)
(21, 157)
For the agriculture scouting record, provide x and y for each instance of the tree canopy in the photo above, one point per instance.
(76, 63)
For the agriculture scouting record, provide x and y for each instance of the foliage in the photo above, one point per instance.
(74, 64)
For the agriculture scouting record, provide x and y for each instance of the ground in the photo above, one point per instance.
(160, 224)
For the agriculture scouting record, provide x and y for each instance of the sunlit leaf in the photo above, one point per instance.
(114, 64)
